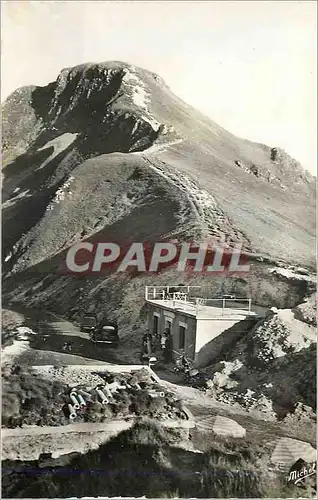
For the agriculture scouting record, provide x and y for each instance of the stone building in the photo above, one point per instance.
(200, 327)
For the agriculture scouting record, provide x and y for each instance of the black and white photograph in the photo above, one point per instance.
(159, 278)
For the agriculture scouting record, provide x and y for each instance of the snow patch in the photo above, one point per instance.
(8, 257)
(12, 351)
(18, 197)
(154, 124)
(19, 345)
(23, 330)
(140, 96)
(59, 144)
(298, 274)
(135, 127)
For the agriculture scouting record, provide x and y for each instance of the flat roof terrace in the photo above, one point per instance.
(205, 310)
(185, 299)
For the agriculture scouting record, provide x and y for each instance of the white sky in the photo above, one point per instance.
(250, 66)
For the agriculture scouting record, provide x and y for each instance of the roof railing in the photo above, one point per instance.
(154, 292)
(182, 298)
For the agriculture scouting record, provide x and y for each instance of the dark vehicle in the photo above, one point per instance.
(89, 323)
(106, 334)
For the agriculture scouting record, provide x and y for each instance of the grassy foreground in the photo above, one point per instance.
(148, 460)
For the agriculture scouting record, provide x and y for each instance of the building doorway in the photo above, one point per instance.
(182, 332)
(169, 326)
(155, 327)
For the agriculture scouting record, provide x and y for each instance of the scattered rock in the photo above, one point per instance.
(301, 414)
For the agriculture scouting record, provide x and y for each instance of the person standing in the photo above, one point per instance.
(147, 342)
(168, 348)
(163, 340)
(157, 340)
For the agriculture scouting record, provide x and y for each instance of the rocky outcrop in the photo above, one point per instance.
(271, 369)
(307, 311)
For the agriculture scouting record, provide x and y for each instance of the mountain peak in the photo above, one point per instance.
(104, 71)
(219, 184)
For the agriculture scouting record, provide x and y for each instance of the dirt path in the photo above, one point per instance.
(116, 426)
(204, 410)
(158, 148)
(51, 333)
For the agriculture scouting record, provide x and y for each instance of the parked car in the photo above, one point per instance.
(106, 334)
(228, 297)
(89, 322)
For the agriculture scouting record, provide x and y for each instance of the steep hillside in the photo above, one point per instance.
(108, 152)
(273, 368)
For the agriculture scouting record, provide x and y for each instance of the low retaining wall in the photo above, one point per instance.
(74, 378)
(30, 442)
